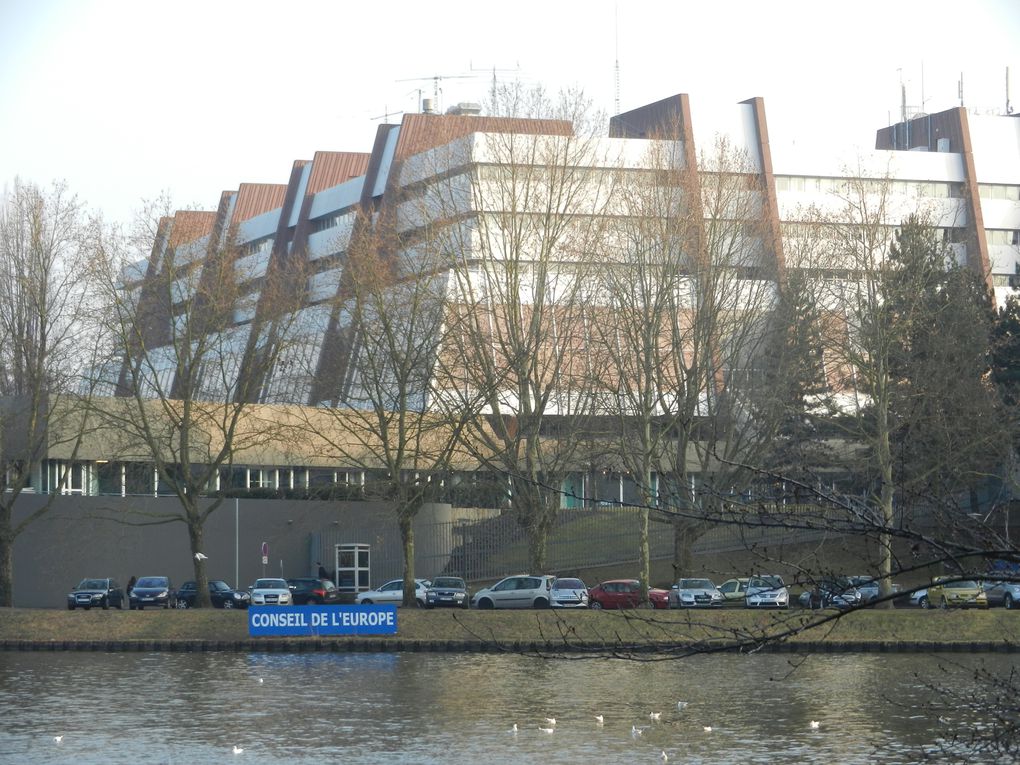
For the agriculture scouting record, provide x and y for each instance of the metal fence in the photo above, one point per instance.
(580, 539)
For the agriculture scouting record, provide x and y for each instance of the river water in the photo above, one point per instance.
(451, 708)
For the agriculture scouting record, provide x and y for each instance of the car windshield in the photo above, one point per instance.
(448, 581)
(964, 584)
(92, 584)
(270, 584)
(568, 584)
(771, 582)
(219, 586)
(151, 581)
(696, 584)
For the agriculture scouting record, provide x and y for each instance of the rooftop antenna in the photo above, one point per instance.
(495, 82)
(436, 79)
(903, 97)
(959, 88)
(387, 113)
(616, 66)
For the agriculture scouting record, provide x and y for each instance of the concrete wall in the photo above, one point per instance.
(121, 537)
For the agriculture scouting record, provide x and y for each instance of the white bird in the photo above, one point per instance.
(680, 706)
(513, 729)
(59, 738)
(237, 749)
(664, 757)
(814, 723)
(599, 719)
(261, 681)
(550, 720)
(201, 556)
(655, 716)
(547, 730)
(708, 729)
(635, 730)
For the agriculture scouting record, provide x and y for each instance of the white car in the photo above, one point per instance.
(270, 592)
(515, 592)
(568, 592)
(393, 592)
(767, 591)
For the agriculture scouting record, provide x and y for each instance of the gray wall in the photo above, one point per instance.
(101, 536)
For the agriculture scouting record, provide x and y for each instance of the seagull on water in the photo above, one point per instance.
(547, 730)
(513, 729)
(59, 738)
(664, 757)
(655, 716)
(814, 724)
(261, 681)
(635, 731)
(708, 729)
(201, 556)
(237, 749)
(680, 706)
(599, 719)
(550, 720)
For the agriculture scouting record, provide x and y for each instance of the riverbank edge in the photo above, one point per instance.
(369, 645)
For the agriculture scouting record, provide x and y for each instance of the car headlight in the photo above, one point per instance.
(162, 594)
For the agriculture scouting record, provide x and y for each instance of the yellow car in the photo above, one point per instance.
(952, 592)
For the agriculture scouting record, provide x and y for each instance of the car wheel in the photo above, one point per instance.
(420, 603)
(105, 604)
(367, 601)
(541, 603)
(70, 606)
(485, 604)
(182, 604)
(228, 604)
(595, 605)
(1007, 601)
(924, 602)
(943, 603)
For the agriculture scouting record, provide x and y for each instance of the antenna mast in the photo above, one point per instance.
(616, 19)
(1009, 106)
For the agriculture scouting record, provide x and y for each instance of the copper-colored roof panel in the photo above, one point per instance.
(331, 168)
(190, 225)
(257, 198)
(420, 132)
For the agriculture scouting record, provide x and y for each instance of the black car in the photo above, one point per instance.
(96, 592)
(221, 594)
(153, 591)
(309, 591)
(447, 591)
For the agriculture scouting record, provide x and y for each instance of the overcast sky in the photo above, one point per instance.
(126, 98)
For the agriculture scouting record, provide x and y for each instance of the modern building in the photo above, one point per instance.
(446, 173)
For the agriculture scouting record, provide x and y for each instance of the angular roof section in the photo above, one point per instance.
(256, 198)
(189, 226)
(331, 168)
(420, 132)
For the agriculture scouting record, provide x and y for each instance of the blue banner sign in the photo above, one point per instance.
(312, 621)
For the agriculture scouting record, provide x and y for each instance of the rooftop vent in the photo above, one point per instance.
(465, 107)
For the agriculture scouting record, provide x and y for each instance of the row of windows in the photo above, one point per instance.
(999, 191)
(1002, 236)
(927, 189)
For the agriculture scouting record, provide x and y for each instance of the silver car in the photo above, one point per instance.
(270, 592)
(695, 593)
(767, 591)
(515, 592)
(393, 592)
(1003, 592)
(568, 592)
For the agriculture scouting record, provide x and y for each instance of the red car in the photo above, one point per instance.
(624, 593)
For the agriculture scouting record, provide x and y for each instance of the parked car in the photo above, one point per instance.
(270, 592)
(767, 591)
(393, 592)
(625, 593)
(734, 590)
(833, 592)
(521, 591)
(917, 596)
(1002, 592)
(953, 592)
(868, 586)
(695, 593)
(447, 591)
(568, 592)
(96, 592)
(312, 591)
(221, 594)
(155, 591)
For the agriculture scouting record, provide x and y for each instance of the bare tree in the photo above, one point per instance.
(524, 218)
(193, 374)
(47, 340)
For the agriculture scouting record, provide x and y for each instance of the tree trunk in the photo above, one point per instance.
(885, 538)
(405, 520)
(645, 552)
(683, 542)
(196, 534)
